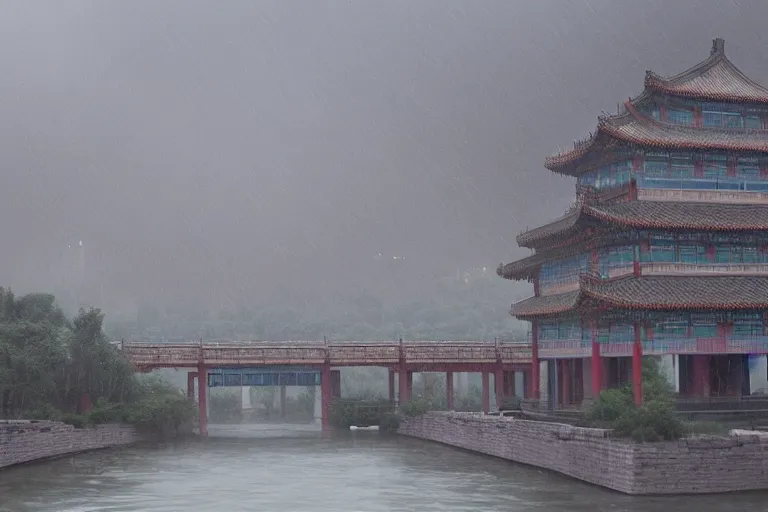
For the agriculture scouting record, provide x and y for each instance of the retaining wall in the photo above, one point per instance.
(689, 466)
(27, 441)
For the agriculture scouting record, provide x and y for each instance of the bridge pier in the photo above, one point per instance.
(326, 387)
(486, 392)
(449, 389)
(410, 384)
(318, 412)
(402, 383)
(391, 386)
(202, 385)
(498, 385)
(191, 385)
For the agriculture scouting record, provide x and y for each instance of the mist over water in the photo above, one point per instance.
(292, 468)
(230, 156)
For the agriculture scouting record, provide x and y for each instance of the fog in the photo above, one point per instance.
(239, 152)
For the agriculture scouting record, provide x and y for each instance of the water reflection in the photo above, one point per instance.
(293, 468)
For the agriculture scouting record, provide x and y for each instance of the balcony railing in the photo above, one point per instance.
(550, 349)
(722, 190)
(710, 269)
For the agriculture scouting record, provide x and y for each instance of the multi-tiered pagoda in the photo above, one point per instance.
(665, 251)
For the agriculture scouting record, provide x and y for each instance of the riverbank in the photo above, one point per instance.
(26, 441)
(706, 464)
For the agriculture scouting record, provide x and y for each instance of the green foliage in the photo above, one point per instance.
(389, 422)
(76, 420)
(48, 364)
(655, 420)
(164, 414)
(415, 407)
(610, 406)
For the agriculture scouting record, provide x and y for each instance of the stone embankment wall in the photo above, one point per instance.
(697, 465)
(27, 441)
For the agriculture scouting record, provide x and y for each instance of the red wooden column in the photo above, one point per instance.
(191, 385)
(402, 378)
(486, 392)
(498, 384)
(449, 389)
(535, 394)
(391, 386)
(410, 384)
(637, 367)
(701, 375)
(202, 392)
(597, 364)
(565, 375)
(509, 384)
(326, 395)
(402, 382)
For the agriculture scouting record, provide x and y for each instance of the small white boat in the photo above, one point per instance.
(372, 428)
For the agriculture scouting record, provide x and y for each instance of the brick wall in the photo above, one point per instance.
(705, 464)
(26, 441)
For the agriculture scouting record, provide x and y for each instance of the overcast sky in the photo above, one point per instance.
(202, 147)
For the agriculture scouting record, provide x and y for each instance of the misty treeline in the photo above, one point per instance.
(55, 368)
(469, 307)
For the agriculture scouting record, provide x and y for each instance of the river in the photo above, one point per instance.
(293, 468)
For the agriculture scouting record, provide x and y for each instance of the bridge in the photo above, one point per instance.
(502, 359)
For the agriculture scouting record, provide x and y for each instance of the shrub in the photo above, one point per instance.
(164, 415)
(43, 412)
(610, 406)
(76, 420)
(415, 407)
(655, 420)
(389, 422)
(105, 412)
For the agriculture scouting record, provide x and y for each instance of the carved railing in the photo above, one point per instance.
(230, 353)
(451, 351)
(369, 353)
(718, 269)
(702, 190)
(564, 348)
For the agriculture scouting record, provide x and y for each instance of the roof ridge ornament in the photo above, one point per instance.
(718, 46)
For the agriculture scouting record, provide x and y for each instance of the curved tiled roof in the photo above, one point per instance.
(656, 214)
(680, 292)
(665, 293)
(526, 267)
(559, 225)
(546, 305)
(633, 127)
(715, 78)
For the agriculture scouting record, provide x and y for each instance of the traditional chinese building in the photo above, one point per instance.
(665, 251)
